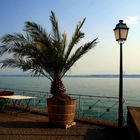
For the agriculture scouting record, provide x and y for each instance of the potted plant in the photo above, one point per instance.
(47, 54)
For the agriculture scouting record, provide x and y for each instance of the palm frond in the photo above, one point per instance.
(9, 62)
(64, 43)
(35, 30)
(38, 33)
(78, 54)
(25, 65)
(12, 42)
(10, 38)
(77, 36)
(55, 28)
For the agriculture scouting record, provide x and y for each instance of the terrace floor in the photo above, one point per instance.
(29, 126)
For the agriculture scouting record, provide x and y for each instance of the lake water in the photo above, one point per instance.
(82, 86)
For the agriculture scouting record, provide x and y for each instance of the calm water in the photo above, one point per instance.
(84, 86)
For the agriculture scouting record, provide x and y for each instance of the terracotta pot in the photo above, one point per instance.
(61, 112)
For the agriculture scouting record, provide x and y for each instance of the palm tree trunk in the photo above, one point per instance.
(57, 87)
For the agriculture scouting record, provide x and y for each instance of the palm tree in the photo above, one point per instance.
(44, 53)
(48, 54)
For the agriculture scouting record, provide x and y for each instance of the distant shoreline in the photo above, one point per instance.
(83, 76)
(105, 76)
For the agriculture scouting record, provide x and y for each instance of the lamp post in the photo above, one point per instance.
(121, 32)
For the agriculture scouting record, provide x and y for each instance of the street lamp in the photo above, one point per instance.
(121, 31)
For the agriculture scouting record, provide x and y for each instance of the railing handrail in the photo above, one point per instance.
(94, 96)
(25, 90)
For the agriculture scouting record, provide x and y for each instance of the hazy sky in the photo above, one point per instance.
(101, 18)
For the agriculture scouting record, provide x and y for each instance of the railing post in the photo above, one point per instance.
(79, 106)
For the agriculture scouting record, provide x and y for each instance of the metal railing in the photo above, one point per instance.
(102, 107)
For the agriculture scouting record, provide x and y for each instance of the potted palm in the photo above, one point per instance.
(47, 54)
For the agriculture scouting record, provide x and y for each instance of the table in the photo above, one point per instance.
(19, 98)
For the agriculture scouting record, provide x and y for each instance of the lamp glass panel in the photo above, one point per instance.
(116, 32)
(123, 34)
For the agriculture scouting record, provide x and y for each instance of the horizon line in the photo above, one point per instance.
(76, 75)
